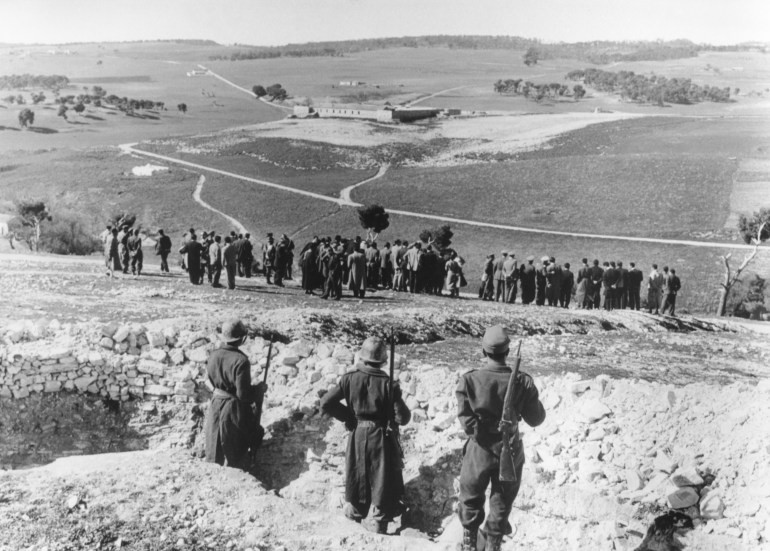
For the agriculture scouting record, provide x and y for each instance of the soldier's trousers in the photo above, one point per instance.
(481, 468)
(500, 290)
(164, 261)
(510, 288)
(634, 300)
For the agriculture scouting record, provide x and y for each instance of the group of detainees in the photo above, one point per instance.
(609, 286)
(329, 264)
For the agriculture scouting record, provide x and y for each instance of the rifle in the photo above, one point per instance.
(507, 428)
(392, 429)
(258, 412)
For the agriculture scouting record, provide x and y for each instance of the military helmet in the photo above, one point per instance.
(496, 340)
(374, 350)
(233, 330)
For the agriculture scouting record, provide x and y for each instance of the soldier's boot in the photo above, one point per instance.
(469, 540)
(494, 543)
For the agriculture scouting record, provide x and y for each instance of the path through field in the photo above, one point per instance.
(345, 192)
(441, 92)
(242, 89)
(197, 198)
(347, 202)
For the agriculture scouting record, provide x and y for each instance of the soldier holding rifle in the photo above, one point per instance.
(491, 401)
(232, 425)
(373, 408)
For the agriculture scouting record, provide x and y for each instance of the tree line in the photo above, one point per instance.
(15, 82)
(598, 51)
(530, 90)
(649, 89)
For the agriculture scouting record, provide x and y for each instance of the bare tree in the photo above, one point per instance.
(755, 231)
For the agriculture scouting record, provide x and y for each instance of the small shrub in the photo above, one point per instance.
(69, 234)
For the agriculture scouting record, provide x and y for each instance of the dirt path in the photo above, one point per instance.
(347, 202)
(197, 198)
(345, 193)
(420, 100)
(242, 89)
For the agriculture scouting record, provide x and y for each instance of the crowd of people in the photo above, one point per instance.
(328, 264)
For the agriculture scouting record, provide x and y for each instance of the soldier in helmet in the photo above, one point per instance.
(231, 428)
(480, 397)
(373, 459)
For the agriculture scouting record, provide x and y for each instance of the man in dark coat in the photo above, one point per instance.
(308, 262)
(357, 272)
(487, 289)
(609, 284)
(215, 261)
(123, 236)
(553, 277)
(230, 262)
(480, 399)
(163, 249)
(621, 294)
(635, 278)
(193, 250)
(373, 460)
(134, 245)
(246, 255)
(567, 284)
(595, 276)
(541, 279)
(231, 427)
(334, 263)
(282, 255)
(527, 277)
(671, 287)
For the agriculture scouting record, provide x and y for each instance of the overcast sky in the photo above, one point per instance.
(275, 22)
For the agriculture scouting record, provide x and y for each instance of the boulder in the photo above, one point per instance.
(593, 411)
(109, 329)
(686, 476)
(156, 339)
(198, 355)
(419, 415)
(290, 360)
(301, 348)
(95, 359)
(158, 390)
(151, 367)
(122, 333)
(634, 480)
(106, 342)
(323, 351)
(664, 463)
(683, 498)
(52, 386)
(157, 355)
(712, 507)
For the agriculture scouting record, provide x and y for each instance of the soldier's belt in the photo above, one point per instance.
(223, 395)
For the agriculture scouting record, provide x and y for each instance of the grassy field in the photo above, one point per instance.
(97, 183)
(311, 166)
(658, 177)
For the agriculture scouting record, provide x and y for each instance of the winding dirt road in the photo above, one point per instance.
(346, 201)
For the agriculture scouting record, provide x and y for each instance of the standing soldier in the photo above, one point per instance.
(231, 427)
(163, 249)
(481, 398)
(373, 460)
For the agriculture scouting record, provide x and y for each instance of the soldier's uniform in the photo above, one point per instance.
(481, 397)
(373, 459)
(231, 427)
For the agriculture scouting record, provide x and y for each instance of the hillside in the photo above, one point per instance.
(638, 406)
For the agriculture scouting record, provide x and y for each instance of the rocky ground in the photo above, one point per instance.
(644, 415)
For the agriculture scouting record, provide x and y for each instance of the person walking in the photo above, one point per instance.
(373, 462)
(231, 429)
(163, 249)
(480, 400)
